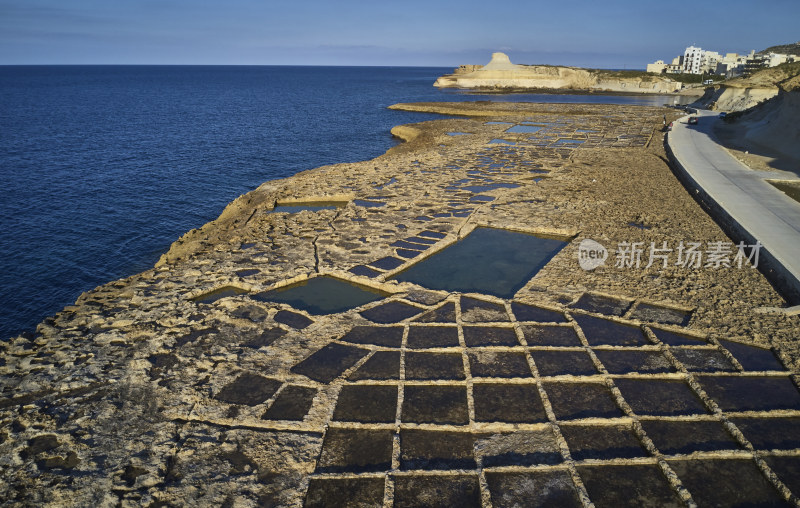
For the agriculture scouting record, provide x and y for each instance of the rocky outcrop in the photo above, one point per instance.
(774, 124)
(741, 94)
(196, 239)
(501, 74)
(465, 69)
(777, 125)
(769, 102)
(732, 98)
(405, 132)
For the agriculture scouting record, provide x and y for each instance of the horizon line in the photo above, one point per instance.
(285, 65)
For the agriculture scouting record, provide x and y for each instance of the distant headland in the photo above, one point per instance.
(502, 75)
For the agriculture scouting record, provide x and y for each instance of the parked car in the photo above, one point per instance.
(692, 120)
(723, 114)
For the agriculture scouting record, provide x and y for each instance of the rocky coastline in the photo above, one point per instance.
(187, 385)
(503, 76)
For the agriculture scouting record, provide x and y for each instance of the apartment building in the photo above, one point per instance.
(696, 60)
(692, 60)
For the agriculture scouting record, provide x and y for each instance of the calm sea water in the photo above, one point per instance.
(103, 167)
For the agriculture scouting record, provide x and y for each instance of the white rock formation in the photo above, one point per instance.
(500, 73)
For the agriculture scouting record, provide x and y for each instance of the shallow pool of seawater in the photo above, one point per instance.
(524, 129)
(390, 182)
(491, 261)
(218, 294)
(490, 186)
(311, 206)
(368, 204)
(322, 295)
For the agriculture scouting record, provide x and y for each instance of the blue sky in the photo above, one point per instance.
(597, 33)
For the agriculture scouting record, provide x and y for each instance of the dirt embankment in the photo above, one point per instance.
(731, 98)
(775, 124)
(767, 133)
(741, 94)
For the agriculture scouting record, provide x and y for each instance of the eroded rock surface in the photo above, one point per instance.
(186, 385)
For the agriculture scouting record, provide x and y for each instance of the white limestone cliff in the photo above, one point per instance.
(501, 74)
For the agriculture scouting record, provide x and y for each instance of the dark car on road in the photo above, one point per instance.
(692, 120)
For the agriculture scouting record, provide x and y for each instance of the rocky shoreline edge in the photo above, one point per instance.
(693, 93)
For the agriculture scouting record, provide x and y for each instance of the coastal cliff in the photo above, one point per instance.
(501, 74)
(767, 106)
(775, 125)
(735, 97)
(743, 93)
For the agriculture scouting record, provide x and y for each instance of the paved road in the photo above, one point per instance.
(752, 204)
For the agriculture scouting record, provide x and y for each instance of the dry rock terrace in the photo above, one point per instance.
(187, 385)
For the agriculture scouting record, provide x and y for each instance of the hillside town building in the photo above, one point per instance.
(696, 60)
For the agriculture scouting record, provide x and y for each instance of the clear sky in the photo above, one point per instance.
(588, 33)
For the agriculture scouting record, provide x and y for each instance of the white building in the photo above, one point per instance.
(778, 58)
(709, 61)
(732, 64)
(698, 61)
(676, 67)
(657, 67)
(692, 60)
(695, 60)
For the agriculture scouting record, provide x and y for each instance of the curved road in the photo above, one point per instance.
(742, 199)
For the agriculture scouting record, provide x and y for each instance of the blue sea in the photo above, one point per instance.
(103, 167)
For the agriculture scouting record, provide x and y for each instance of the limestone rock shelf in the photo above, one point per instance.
(501, 74)
(155, 390)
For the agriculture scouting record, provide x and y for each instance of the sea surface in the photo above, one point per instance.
(103, 167)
